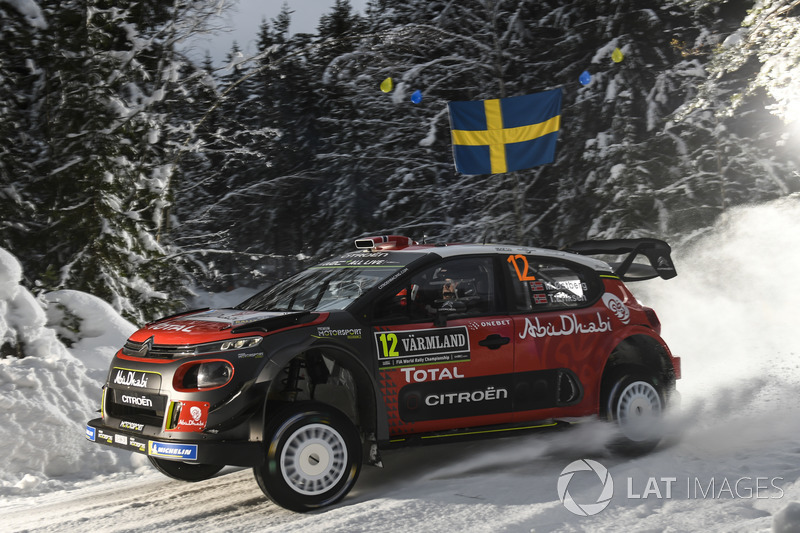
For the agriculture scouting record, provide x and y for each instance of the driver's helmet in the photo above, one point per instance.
(455, 282)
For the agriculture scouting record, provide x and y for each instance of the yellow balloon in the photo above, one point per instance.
(386, 85)
(616, 55)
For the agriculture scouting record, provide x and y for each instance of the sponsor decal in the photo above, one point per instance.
(138, 445)
(495, 323)
(91, 433)
(135, 379)
(616, 306)
(422, 346)
(393, 277)
(435, 400)
(193, 417)
(664, 264)
(325, 331)
(418, 375)
(188, 323)
(138, 401)
(569, 325)
(360, 260)
(488, 395)
(253, 355)
(121, 439)
(167, 450)
(169, 326)
(107, 437)
(236, 318)
(131, 426)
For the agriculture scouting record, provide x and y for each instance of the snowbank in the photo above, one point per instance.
(47, 395)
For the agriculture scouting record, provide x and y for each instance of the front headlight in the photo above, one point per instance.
(230, 344)
(202, 375)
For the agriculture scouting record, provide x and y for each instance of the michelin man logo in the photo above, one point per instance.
(587, 509)
(616, 306)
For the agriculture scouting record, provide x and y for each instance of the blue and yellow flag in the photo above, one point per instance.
(507, 134)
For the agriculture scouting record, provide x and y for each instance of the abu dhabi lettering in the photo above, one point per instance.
(567, 325)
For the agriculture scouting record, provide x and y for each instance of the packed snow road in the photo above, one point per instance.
(729, 471)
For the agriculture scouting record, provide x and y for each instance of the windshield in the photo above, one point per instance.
(333, 284)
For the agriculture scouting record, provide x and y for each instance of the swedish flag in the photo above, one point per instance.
(507, 134)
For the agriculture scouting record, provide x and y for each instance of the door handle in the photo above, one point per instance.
(494, 341)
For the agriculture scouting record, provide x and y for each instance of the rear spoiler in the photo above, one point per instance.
(656, 251)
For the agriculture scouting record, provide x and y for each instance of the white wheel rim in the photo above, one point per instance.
(313, 459)
(639, 411)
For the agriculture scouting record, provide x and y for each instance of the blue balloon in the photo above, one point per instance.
(585, 77)
(416, 97)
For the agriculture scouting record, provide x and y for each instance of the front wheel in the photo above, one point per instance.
(185, 471)
(313, 457)
(636, 404)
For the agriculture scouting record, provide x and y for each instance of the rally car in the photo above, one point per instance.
(395, 343)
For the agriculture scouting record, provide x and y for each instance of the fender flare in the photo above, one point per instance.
(369, 401)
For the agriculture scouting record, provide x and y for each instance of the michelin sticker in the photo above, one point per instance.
(422, 346)
(172, 451)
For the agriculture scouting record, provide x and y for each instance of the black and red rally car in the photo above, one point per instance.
(393, 344)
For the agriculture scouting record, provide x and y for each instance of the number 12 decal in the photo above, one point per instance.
(389, 344)
(522, 273)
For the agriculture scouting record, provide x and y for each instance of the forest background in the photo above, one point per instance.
(130, 172)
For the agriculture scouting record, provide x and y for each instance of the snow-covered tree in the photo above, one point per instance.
(99, 153)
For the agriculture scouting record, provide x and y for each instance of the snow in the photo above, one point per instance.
(730, 462)
(31, 11)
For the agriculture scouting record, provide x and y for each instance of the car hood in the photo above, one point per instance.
(201, 326)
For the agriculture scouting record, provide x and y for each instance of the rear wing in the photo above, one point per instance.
(657, 253)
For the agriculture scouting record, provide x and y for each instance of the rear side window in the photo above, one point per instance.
(547, 284)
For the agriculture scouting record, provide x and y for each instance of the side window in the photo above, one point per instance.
(459, 287)
(546, 284)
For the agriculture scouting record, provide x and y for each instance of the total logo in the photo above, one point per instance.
(605, 492)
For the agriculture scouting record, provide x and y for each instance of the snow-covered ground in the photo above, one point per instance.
(731, 461)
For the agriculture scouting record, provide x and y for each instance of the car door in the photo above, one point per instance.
(559, 335)
(445, 353)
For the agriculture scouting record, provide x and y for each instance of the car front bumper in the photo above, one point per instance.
(217, 452)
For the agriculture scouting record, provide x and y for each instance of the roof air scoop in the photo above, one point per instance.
(384, 242)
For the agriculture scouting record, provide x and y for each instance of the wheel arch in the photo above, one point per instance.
(638, 354)
(366, 404)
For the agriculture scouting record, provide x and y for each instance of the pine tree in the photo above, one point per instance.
(18, 32)
(99, 166)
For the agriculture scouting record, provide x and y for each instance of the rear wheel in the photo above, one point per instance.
(636, 404)
(313, 457)
(185, 471)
